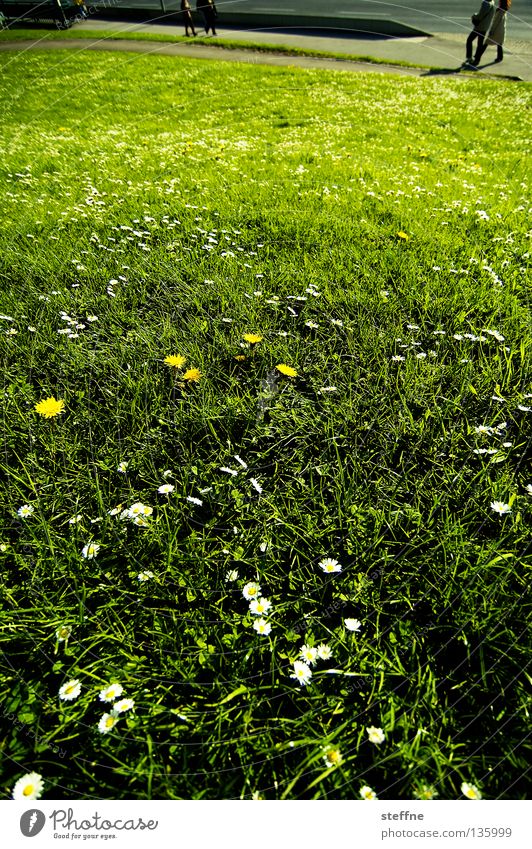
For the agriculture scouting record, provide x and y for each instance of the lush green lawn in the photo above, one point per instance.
(375, 232)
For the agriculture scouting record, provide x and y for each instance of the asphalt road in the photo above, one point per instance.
(449, 16)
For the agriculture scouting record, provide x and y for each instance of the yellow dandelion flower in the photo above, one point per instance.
(50, 407)
(240, 358)
(192, 374)
(252, 338)
(402, 235)
(175, 360)
(288, 371)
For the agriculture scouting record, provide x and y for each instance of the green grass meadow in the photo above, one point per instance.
(375, 232)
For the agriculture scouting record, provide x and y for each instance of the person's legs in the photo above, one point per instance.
(500, 53)
(469, 45)
(481, 49)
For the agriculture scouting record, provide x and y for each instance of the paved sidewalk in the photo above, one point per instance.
(444, 51)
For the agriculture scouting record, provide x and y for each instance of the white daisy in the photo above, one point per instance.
(263, 627)
(251, 591)
(330, 565)
(367, 793)
(324, 651)
(167, 474)
(25, 511)
(375, 735)
(139, 509)
(196, 501)
(107, 722)
(28, 787)
(529, 488)
(352, 624)
(63, 633)
(500, 507)
(256, 485)
(259, 606)
(228, 471)
(308, 654)
(111, 692)
(470, 791)
(240, 461)
(166, 489)
(141, 522)
(75, 519)
(70, 691)
(302, 672)
(332, 757)
(90, 551)
(123, 705)
(145, 576)
(122, 467)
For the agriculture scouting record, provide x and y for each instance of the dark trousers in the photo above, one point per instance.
(481, 49)
(188, 21)
(469, 44)
(209, 19)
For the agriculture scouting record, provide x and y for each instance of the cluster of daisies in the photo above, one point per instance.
(70, 691)
(309, 657)
(425, 791)
(109, 694)
(498, 431)
(258, 606)
(74, 325)
(413, 345)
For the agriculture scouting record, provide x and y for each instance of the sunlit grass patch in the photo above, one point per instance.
(266, 403)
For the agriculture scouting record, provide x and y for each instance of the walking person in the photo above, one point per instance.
(209, 12)
(496, 32)
(187, 17)
(481, 24)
